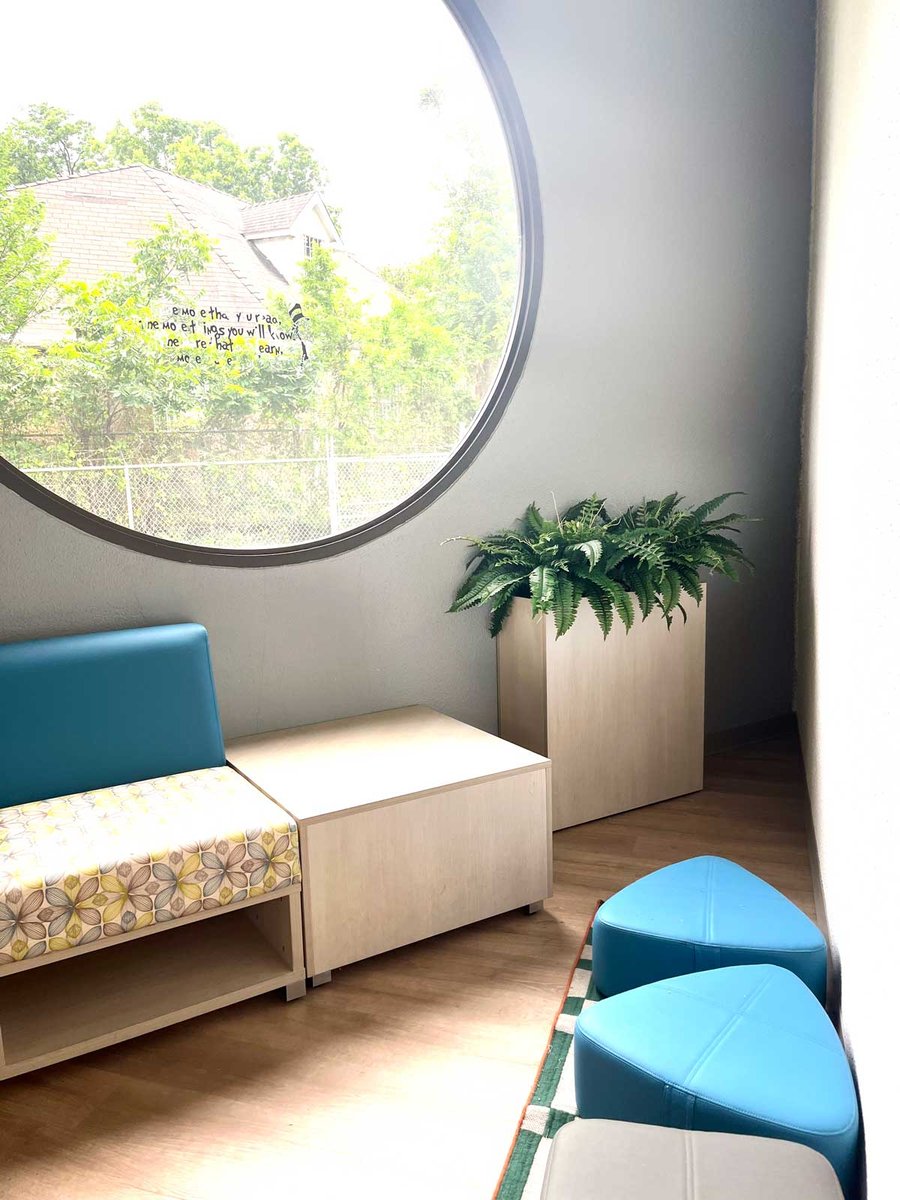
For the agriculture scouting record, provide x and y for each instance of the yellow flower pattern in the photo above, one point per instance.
(77, 869)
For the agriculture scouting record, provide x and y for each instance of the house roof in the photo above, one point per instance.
(274, 216)
(96, 218)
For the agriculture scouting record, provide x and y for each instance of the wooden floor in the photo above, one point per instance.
(405, 1077)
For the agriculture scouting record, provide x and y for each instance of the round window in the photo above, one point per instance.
(265, 284)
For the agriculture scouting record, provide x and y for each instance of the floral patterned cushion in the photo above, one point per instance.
(100, 864)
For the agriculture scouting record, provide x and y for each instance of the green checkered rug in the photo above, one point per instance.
(552, 1102)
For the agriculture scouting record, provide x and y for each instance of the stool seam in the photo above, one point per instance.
(806, 1037)
(707, 924)
(772, 1124)
(692, 941)
(669, 1086)
(726, 1029)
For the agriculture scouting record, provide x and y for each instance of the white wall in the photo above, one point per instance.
(673, 141)
(848, 649)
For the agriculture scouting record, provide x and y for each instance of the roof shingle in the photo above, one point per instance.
(274, 216)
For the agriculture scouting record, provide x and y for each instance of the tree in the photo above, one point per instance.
(418, 389)
(204, 152)
(468, 283)
(150, 137)
(286, 170)
(49, 143)
(393, 382)
(115, 373)
(409, 379)
(336, 323)
(27, 278)
(405, 379)
(23, 384)
(28, 287)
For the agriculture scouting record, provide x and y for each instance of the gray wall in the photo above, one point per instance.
(848, 646)
(673, 145)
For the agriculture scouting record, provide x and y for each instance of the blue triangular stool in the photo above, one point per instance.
(696, 915)
(735, 1050)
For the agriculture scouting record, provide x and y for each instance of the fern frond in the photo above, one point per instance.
(542, 582)
(603, 609)
(725, 545)
(702, 511)
(617, 595)
(590, 511)
(500, 606)
(669, 590)
(565, 604)
(690, 581)
(637, 580)
(483, 584)
(625, 610)
(726, 522)
(506, 540)
(612, 556)
(591, 550)
(662, 508)
(533, 520)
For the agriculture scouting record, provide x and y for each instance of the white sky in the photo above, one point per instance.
(344, 75)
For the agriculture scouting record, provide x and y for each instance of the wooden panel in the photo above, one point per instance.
(381, 878)
(315, 771)
(82, 1004)
(32, 964)
(625, 715)
(522, 680)
(282, 927)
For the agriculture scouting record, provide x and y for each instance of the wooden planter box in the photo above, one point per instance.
(620, 719)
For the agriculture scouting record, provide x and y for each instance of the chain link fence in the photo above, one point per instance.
(243, 504)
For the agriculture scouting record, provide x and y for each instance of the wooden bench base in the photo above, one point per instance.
(81, 1001)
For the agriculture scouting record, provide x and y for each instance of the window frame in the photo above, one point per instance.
(524, 169)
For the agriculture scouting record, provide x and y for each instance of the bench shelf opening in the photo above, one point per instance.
(98, 999)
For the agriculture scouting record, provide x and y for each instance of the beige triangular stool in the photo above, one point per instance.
(616, 1160)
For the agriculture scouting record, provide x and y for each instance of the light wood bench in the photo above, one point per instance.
(120, 822)
(195, 857)
(411, 824)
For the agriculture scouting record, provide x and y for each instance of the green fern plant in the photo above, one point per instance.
(653, 552)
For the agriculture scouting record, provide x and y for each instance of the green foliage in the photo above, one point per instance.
(204, 152)
(114, 369)
(410, 378)
(403, 377)
(466, 285)
(28, 287)
(151, 136)
(286, 169)
(27, 277)
(115, 375)
(388, 380)
(654, 551)
(336, 322)
(49, 143)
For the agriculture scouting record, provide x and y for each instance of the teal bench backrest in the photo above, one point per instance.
(85, 712)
